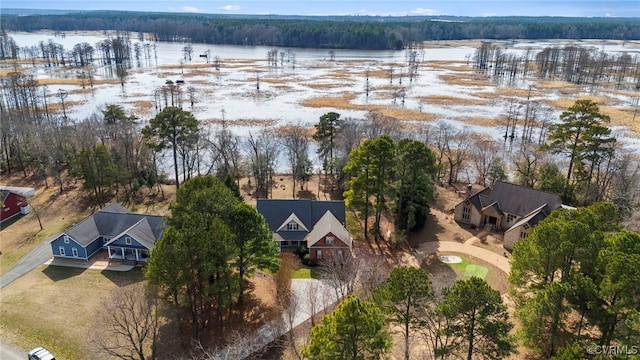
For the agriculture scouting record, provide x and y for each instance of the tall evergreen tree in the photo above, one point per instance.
(582, 135)
(254, 245)
(326, 131)
(480, 322)
(415, 170)
(173, 128)
(193, 259)
(370, 168)
(404, 298)
(355, 330)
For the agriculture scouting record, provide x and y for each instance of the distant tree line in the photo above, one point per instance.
(375, 33)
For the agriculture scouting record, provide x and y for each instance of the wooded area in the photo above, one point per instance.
(374, 33)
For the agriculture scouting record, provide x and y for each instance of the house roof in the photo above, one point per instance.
(514, 199)
(113, 221)
(23, 191)
(533, 218)
(328, 224)
(5, 194)
(276, 211)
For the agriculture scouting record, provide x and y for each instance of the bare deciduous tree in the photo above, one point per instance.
(295, 140)
(128, 323)
(483, 150)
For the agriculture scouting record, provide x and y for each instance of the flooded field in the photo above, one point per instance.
(248, 92)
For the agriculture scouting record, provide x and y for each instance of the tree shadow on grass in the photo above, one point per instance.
(440, 274)
(57, 273)
(124, 278)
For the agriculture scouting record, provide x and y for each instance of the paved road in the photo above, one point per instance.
(32, 260)
(8, 352)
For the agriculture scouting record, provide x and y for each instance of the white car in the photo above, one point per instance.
(40, 353)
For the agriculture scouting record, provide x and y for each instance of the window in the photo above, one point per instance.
(465, 218)
(61, 251)
(523, 235)
(467, 202)
(329, 240)
(127, 240)
(74, 251)
(66, 239)
(526, 226)
(466, 210)
(292, 226)
(319, 254)
(511, 217)
(340, 254)
(105, 240)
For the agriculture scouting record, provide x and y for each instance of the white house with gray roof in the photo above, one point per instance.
(123, 234)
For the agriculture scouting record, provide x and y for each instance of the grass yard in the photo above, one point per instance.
(55, 307)
(444, 275)
(467, 268)
(306, 273)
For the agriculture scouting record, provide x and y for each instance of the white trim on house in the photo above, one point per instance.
(294, 218)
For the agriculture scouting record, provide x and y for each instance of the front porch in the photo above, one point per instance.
(124, 253)
(291, 245)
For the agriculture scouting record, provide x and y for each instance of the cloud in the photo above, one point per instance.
(423, 11)
(191, 9)
(231, 8)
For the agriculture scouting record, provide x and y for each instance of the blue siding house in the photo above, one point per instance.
(125, 235)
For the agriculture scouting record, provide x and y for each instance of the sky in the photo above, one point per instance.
(575, 8)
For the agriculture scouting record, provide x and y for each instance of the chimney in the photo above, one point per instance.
(469, 186)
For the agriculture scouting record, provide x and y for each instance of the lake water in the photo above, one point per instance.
(233, 93)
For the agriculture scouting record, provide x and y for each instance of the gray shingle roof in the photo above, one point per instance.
(276, 211)
(114, 220)
(520, 200)
(515, 199)
(5, 194)
(533, 218)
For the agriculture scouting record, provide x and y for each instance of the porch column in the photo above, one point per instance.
(137, 255)
(122, 253)
(109, 250)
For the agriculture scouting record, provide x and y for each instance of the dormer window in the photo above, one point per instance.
(292, 226)
(329, 240)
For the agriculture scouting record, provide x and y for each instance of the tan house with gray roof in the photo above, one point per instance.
(509, 207)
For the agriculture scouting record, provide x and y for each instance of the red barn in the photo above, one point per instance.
(14, 202)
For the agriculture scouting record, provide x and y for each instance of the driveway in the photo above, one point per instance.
(433, 247)
(36, 257)
(8, 352)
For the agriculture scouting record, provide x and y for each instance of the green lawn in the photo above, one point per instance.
(11, 257)
(55, 307)
(467, 268)
(306, 273)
